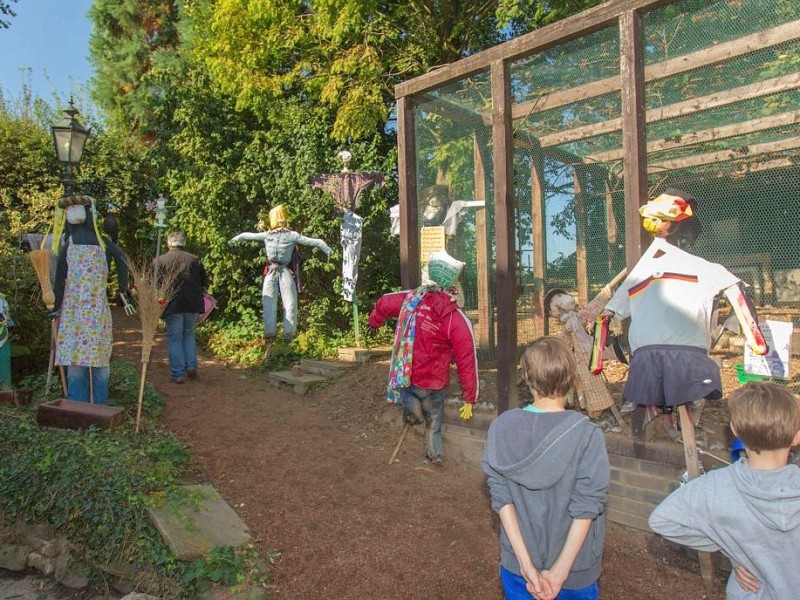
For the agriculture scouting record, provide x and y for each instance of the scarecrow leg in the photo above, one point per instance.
(400, 442)
(618, 416)
(693, 469)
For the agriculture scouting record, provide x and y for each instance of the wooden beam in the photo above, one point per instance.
(573, 27)
(611, 225)
(526, 139)
(506, 292)
(539, 241)
(679, 109)
(581, 227)
(634, 132)
(739, 170)
(709, 158)
(706, 135)
(407, 190)
(451, 111)
(485, 320)
(674, 66)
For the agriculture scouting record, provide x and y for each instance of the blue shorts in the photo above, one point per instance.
(665, 375)
(514, 589)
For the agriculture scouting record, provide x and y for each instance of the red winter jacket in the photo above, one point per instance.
(442, 330)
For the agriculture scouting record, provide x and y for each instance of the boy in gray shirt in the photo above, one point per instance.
(750, 510)
(548, 473)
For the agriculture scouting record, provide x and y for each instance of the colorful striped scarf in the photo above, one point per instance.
(405, 334)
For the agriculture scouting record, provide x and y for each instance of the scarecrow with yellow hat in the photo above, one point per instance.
(280, 243)
(670, 298)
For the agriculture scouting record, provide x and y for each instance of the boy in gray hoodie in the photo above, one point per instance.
(751, 509)
(548, 473)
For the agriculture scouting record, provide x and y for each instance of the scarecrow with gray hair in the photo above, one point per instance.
(431, 329)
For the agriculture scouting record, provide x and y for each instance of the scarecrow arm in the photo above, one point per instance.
(61, 276)
(248, 237)
(313, 242)
(747, 318)
(387, 306)
(463, 342)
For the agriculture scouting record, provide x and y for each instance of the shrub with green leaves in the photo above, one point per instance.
(94, 488)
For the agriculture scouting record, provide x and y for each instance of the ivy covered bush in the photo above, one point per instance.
(94, 488)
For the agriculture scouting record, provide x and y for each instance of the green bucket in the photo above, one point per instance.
(745, 377)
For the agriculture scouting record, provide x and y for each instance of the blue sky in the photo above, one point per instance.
(51, 37)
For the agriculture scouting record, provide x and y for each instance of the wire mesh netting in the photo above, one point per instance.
(722, 102)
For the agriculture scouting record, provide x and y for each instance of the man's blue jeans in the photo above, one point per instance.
(514, 589)
(181, 343)
(78, 384)
(420, 404)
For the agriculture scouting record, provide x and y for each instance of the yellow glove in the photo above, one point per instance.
(466, 411)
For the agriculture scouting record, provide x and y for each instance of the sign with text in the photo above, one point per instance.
(775, 363)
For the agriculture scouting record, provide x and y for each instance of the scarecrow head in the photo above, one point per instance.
(672, 215)
(436, 204)
(78, 212)
(443, 269)
(278, 217)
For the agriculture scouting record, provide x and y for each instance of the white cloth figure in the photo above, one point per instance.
(351, 250)
(394, 218)
(669, 296)
(455, 214)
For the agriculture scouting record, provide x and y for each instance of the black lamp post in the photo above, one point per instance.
(69, 137)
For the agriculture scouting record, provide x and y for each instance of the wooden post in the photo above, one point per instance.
(506, 296)
(407, 188)
(485, 320)
(539, 239)
(634, 133)
(611, 228)
(581, 225)
(693, 470)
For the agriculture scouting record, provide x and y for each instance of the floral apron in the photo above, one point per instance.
(84, 330)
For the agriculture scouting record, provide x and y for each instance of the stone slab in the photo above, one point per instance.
(290, 378)
(362, 355)
(206, 521)
(325, 367)
(299, 384)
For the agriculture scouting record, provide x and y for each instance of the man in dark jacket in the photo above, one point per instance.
(185, 303)
(431, 329)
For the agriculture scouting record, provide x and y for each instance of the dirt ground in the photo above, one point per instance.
(310, 477)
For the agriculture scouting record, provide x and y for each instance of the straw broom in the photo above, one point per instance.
(40, 259)
(153, 293)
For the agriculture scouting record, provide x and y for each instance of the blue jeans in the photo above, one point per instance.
(514, 588)
(418, 404)
(78, 384)
(279, 278)
(181, 343)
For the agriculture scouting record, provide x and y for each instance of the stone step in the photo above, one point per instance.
(204, 521)
(299, 384)
(362, 355)
(328, 368)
